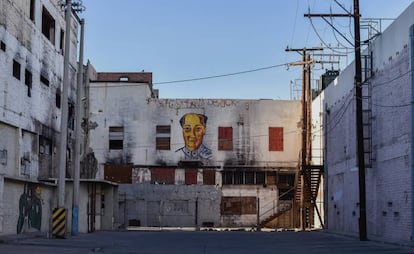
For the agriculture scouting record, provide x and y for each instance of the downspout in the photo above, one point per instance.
(411, 64)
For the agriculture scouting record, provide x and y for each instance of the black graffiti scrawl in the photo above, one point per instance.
(30, 208)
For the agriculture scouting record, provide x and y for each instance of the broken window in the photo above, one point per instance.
(225, 139)
(275, 139)
(28, 82)
(16, 69)
(48, 25)
(32, 10)
(116, 138)
(3, 46)
(163, 137)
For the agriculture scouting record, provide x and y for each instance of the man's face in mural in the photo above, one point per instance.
(194, 128)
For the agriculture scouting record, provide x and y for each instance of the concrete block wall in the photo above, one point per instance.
(169, 205)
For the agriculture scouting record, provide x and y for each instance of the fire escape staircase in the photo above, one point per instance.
(275, 208)
(312, 175)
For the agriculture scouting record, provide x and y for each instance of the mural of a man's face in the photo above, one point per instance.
(194, 128)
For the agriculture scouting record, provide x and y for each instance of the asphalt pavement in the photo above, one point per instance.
(179, 241)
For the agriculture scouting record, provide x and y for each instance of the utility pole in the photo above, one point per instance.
(359, 118)
(360, 129)
(306, 124)
(77, 154)
(64, 112)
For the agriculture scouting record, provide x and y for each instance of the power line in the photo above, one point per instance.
(222, 75)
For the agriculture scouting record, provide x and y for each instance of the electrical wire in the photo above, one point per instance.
(222, 75)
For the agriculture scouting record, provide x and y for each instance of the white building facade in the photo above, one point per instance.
(388, 138)
(247, 154)
(32, 36)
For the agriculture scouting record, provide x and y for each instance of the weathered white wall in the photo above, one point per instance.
(388, 182)
(24, 119)
(129, 105)
(11, 210)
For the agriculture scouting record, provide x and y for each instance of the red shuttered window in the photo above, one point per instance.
(275, 138)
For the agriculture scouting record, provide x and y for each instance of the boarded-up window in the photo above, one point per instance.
(190, 176)
(162, 175)
(163, 137)
(225, 138)
(209, 177)
(238, 205)
(116, 138)
(271, 178)
(118, 173)
(275, 139)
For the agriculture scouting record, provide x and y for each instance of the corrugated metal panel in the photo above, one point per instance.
(225, 138)
(163, 175)
(209, 177)
(118, 173)
(275, 138)
(190, 176)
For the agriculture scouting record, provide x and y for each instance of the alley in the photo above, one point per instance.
(200, 242)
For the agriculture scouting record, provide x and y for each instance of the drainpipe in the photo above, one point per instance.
(76, 177)
(411, 63)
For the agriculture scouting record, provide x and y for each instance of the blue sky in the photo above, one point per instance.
(190, 39)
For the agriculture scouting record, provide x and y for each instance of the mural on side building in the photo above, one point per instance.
(193, 128)
(30, 208)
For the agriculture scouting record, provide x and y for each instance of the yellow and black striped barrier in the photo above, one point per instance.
(59, 222)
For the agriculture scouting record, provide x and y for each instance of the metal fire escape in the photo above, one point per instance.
(372, 29)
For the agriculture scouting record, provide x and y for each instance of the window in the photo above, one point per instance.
(3, 46)
(116, 138)
(48, 25)
(28, 82)
(163, 137)
(260, 178)
(32, 10)
(238, 177)
(44, 80)
(16, 69)
(227, 177)
(71, 116)
(62, 40)
(58, 98)
(225, 138)
(249, 177)
(275, 139)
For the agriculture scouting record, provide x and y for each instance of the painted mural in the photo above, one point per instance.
(30, 208)
(193, 129)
